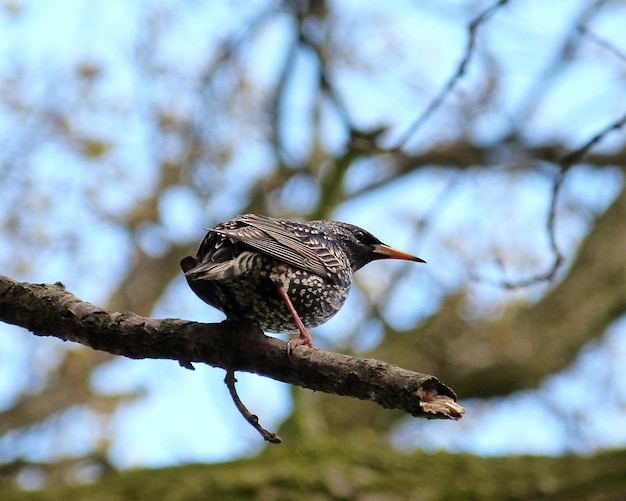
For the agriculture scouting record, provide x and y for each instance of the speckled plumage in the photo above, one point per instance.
(253, 266)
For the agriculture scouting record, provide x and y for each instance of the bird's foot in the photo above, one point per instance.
(304, 339)
(301, 341)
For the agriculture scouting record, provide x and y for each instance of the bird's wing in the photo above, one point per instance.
(215, 260)
(297, 244)
(224, 270)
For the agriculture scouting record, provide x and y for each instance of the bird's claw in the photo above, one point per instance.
(299, 341)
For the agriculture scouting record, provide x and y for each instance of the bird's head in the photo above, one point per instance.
(361, 247)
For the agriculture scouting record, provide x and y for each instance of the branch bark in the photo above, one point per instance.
(50, 310)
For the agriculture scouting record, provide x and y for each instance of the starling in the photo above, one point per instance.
(284, 274)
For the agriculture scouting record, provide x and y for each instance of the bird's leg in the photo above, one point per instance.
(305, 337)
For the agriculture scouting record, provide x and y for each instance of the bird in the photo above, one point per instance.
(286, 275)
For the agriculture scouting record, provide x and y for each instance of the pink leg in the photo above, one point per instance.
(305, 337)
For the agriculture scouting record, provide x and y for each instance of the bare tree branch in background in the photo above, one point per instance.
(564, 164)
(446, 90)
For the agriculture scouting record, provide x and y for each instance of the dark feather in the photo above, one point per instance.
(294, 243)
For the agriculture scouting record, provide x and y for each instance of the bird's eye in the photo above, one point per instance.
(365, 237)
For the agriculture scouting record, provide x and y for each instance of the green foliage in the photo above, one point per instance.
(336, 470)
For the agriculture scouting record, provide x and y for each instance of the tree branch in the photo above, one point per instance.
(252, 419)
(456, 77)
(49, 310)
(530, 341)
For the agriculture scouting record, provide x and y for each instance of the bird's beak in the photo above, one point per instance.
(386, 252)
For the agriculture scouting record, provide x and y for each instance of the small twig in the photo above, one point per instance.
(565, 163)
(558, 257)
(186, 364)
(456, 76)
(577, 155)
(268, 436)
(602, 42)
